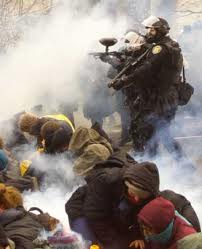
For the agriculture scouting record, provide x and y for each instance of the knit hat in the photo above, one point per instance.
(10, 197)
(3, 160)
(157, 214)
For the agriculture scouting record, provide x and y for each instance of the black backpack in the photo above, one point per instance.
(185, 90)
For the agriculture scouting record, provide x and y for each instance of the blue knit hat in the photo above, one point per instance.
(3, 160)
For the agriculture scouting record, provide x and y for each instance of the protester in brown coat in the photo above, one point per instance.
(33, 124)
(19, 225)
(89, 147)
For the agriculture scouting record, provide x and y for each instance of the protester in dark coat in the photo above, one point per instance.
(145, 177)
(108, 207)
(90, 209)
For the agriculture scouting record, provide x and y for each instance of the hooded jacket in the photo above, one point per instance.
(90, 147)
(159, 214)
(104, 187)
(146, 175)
(97, 200)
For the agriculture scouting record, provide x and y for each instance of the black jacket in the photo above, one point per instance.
(100, 197)
(102, 191)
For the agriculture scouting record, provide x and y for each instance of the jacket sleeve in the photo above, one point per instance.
(183, 206)
(150, 65)
(3, 238)
(74, 206)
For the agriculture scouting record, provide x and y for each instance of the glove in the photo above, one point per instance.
(120, 83)
(139, 244)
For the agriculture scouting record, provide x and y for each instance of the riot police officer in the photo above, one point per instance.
(156, 80)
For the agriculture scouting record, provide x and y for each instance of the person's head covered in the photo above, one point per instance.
(10, 197)
(157, 28)
(142, 182)
(56, 136)
(134, 40)
(26, 121)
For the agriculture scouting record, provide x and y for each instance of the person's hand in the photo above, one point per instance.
(118, 84)
(139, 244)
(124, 78)
(7, 247)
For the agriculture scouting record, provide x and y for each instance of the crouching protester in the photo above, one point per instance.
(142, 186)
(89, 147)
(32, 124)
(91, 207)
(86, 147)
(10, 173)
(20, 226)
(105, 209)
(163, 227)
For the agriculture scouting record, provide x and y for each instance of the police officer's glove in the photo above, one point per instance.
(120, 83)
(105, 58)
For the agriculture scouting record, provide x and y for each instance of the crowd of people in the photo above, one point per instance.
(118, 203)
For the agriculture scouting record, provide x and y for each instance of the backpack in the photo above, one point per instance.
(185, 90)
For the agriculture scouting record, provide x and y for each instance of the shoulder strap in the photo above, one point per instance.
(35, 209)
(183, 75)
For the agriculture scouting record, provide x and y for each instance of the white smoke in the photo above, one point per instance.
(45, 68)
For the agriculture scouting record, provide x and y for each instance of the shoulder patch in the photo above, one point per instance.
(157, 49)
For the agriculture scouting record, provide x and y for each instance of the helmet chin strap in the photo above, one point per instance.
(154, 39)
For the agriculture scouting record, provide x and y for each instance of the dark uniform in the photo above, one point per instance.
(156, 80)
(156, 103)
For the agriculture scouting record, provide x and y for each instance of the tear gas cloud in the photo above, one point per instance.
(48, 67)
(45, 65)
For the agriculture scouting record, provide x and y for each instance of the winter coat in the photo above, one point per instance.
(21, 183)
(157, 77)
(103, 201)
(21, 227)
(90, 148)
(193, 241)
(96, 202)
(147, 176)
(93, 199)
(159, 215)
